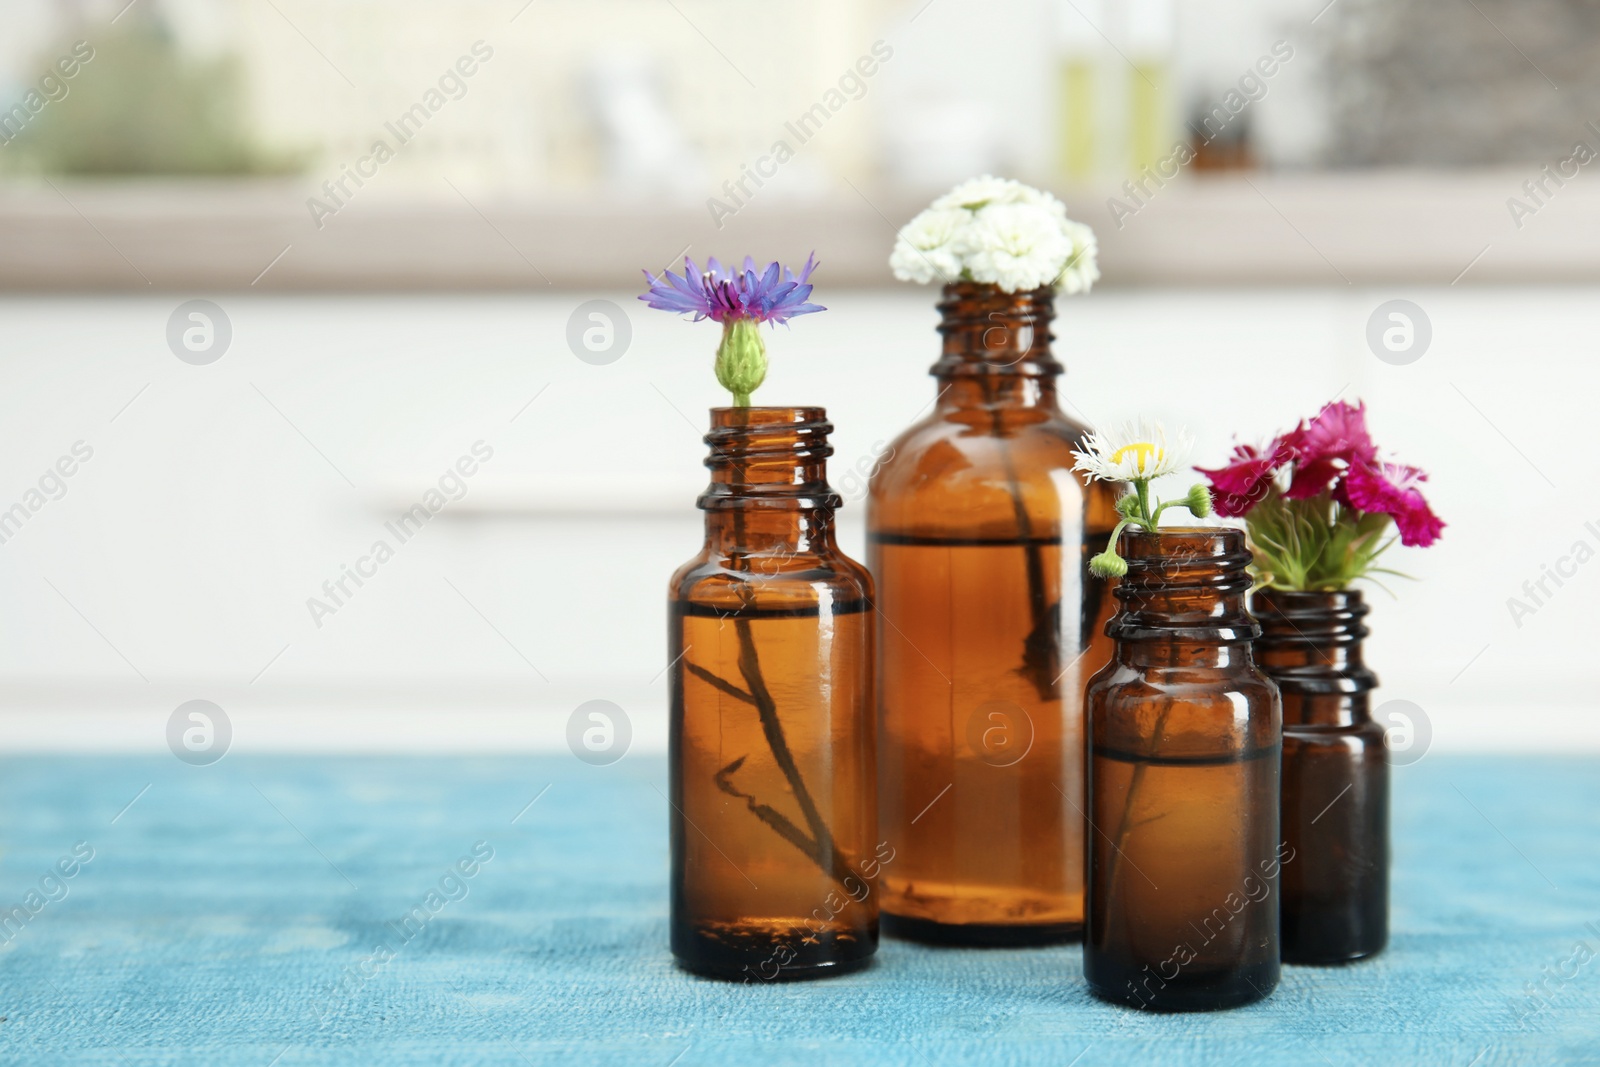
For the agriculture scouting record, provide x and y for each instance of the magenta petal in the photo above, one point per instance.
(1392, 489)
(1247, 478)
(1311, 479)
(1338, 432)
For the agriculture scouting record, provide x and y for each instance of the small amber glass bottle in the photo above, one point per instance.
(979, 535)
(1184, 857)
(775, 860)
(1335, 776)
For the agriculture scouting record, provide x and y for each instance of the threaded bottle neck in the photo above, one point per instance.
(999, 336)
(1311, 641)
(768, 457)
(1184, 584)
(769, 488)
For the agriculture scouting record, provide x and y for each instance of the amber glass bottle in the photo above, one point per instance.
(979, 538)
(1335, 776)
(775, 861)
(1184, 732)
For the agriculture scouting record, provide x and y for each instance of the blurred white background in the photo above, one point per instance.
(373, 346)
(180, 560)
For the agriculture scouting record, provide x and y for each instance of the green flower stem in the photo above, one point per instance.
(1155, 520)
(1135, 509)
(1116, 532)
(1316, 544)
(819, 845)
(1041, 648)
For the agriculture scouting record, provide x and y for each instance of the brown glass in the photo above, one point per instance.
(1335, 776)
(979, 539)
(775, 860)
(1184, 853)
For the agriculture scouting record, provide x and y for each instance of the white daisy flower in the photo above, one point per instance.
(1136, 452)
(928, 246)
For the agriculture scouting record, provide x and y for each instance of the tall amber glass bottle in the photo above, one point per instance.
(1335, 776)
(775, 860)
(1184, 752)
(979, 538)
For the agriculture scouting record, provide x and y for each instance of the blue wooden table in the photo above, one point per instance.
(513, 911)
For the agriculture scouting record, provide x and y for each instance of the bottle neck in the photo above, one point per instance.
(769, 496)
(1183, 599)
(1311, 646)
(996, 349)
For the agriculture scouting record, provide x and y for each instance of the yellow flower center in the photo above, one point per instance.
(1145, 454)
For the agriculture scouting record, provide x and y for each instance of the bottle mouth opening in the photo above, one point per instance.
(1181, 531)
(769, 416)
(965, 289)
(1179, 546)
(1290, 601)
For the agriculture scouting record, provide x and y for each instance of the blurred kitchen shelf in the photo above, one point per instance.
(1321, 228)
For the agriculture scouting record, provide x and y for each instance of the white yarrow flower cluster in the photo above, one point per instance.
(1000, 232)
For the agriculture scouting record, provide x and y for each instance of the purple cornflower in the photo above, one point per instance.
(722, 294)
